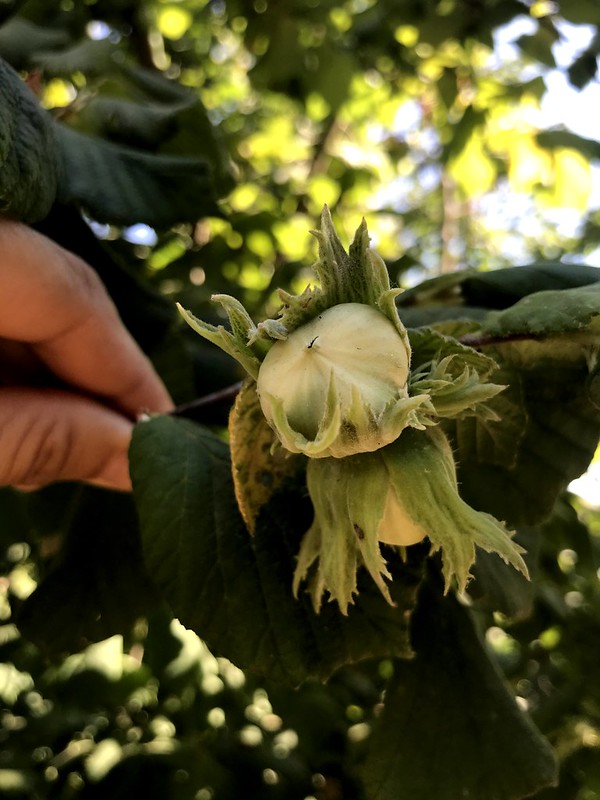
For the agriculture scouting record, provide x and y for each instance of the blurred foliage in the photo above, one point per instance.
(200, 139)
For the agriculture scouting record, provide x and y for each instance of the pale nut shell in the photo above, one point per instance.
(396, 526)
(355, 344)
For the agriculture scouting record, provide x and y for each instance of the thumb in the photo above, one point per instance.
(50, 435)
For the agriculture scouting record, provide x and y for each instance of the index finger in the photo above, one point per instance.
(54, 301)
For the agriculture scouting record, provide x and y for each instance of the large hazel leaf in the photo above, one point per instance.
(28, 172)
(235, 590)
(547, 343)
(544, 342)
(559, 441)
(450, 729)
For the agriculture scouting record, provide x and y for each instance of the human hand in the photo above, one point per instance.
(58, 322)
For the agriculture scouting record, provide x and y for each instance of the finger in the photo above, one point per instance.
(50, 435)
(55, 301)
(21, 366)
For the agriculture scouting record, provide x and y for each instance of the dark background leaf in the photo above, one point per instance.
(496, 586)
(450, 728)
(143, 125)
(158, 115)
(561, 137)
(96, 584)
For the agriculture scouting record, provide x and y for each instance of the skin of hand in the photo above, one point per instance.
(72, 379)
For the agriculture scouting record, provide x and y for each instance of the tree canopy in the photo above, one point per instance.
(152, 645)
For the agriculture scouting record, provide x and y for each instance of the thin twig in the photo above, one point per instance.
(228, 393)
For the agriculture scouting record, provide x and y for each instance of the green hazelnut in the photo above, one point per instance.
(338, 384)
(399, 495)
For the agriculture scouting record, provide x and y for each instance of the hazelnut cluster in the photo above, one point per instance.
(338, 381)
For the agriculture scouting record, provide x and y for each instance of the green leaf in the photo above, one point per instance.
(235, 590)
(96, 585)
(189, 130)
(547, 314)
(580, 12)
(124, 186)
(538, 46)
(20, 39)
(143, 125)
(470, 121)
(177, 126)
(90, 56)
(561, 137)
(450, 729)
(545, 344)
(467, 294)
(28, 159)
(154, 85)
(195, 135)
(498, 587)
(552, 339)
(560, 436)
(585, 66)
